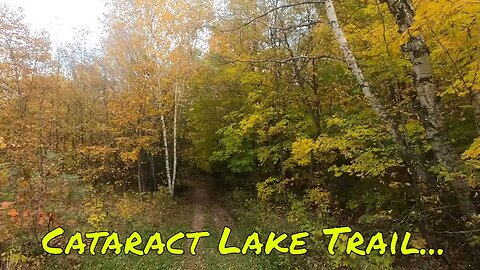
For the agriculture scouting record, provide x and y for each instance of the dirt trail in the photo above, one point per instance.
(202, 195)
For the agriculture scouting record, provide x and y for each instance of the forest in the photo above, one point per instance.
(281, 116)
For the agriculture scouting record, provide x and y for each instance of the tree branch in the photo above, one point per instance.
(295, 26)
(283, 61)
(273, 10)
(462, 232)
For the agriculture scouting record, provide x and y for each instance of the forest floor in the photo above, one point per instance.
(200, 205)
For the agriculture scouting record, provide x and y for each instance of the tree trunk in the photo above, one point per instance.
(431, 115)
(167, 158)
(170, 183)
(152, 172)
(427, 97)
(476, 108)
(403, 12)
(409, 154)
(174, 178)
(141, 186)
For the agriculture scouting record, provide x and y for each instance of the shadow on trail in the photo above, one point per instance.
(203, 195)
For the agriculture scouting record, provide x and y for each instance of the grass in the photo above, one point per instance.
(246, 223)
(248, 217)
(151, 261)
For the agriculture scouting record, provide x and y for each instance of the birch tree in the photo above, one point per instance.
(427, 96)
(168, 34)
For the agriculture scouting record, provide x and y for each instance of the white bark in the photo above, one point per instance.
(350, 58)
(165, 138)
(167, 156)
(431, 115)
(427, 96)
(403, 12)
(175, 137)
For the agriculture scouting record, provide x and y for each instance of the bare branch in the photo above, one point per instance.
(284, 61)
(295, 26)
(273, 10)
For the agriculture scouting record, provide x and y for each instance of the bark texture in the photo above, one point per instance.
(403, 12)
(171, 188)
(431, 115)
(429, 106)
(428, 101)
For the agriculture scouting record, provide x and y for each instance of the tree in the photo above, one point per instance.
(428, 99)
(167, 35)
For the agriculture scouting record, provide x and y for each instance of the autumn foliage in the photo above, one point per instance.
(331, 121)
